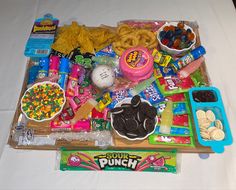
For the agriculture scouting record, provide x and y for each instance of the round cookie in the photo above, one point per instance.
(219, 124)
(129, 112)
(151, 112)
(140, 116)
(217, 135)
(144, 107)
(135, 101)
(117, 110)
(210, 115)
(131, 124)
(119, 124)
(149, 125)
(201, 114)
(205, 135)
(125, 105)
(210, 129)
(141, 131)
(131, 135)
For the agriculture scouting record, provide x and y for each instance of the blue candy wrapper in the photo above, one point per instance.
(117, 96)
(175, 131)
(167, 71)
(152, 94)
(179, 108)
(107, 51)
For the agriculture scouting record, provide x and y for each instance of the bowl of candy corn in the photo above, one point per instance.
(176, 38)
(43, 101)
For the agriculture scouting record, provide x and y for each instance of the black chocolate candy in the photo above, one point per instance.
(135, 101)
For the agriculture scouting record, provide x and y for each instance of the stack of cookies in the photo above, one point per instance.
(134, 120)
(211, 128)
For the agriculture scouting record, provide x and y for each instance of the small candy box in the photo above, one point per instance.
(210, 119)
(41, 37)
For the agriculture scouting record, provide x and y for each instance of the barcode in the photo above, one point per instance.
(42, 51)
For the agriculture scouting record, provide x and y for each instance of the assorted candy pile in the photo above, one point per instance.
(100, 67)
(176, 37)
(43, 101)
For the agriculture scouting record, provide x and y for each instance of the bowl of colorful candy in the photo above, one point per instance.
(43, 101)
(176, 37)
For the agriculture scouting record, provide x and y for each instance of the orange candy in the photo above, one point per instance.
(166, 28)
(190, 36)
(180, 25)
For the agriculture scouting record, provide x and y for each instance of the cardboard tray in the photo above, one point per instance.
(119, 143)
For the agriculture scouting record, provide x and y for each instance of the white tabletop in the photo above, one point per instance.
(24, 169)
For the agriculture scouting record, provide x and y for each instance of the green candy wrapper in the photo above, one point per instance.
(110, 160)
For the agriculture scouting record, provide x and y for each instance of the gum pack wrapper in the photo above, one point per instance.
(177, 97)
(152, 94)
(99, 125)
(117, 96)
(72, 86)
(175, 130)
(111, 160)
(172, 84)
(181, 120)
(190, 68)
(64, 70)
(32, 76)
(53, 66)
(217, 107)
(44, 67)
(170, 140)
(107, 51)
(179, 108)
(84, 60)
(42, 37)
(188, 58)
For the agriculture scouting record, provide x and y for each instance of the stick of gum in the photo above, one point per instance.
(84, 111)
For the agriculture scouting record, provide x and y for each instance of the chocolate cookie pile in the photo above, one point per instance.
(135, 119)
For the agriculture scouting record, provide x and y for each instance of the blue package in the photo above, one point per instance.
(179, 108)
(107, 51)
(175, 131)
(167, 71)
(33, 72)
(117, 96)
(64, 70)
(42, 37)
(44, 67)
(152, 94)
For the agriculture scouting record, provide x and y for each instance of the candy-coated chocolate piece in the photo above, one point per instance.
(180, 25)
(190, 36)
